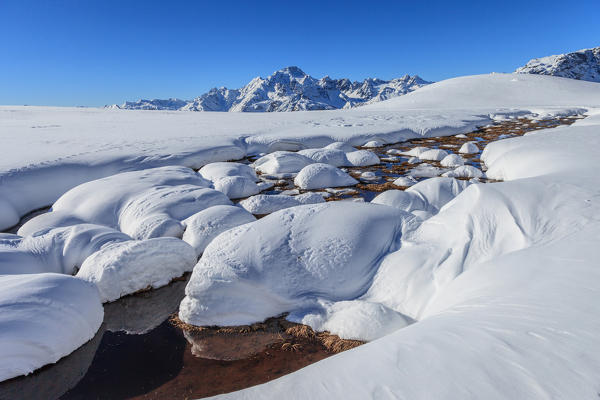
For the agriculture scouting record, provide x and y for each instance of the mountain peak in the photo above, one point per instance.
(582, 64)
(292, 71)
(289, 89)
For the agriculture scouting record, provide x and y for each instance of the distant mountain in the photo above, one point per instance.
(582, 64)
(288, 89)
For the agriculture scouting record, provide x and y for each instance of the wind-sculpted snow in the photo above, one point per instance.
(44, 317)
(60, 250)
(51, 150)
(503, 284)
(289, 259)
(126, 267)
(204, 226)
(143, 204)
(318, 176)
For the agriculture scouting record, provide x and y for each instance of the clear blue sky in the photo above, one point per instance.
(85, 52)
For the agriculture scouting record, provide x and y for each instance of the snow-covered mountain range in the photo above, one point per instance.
(289, 89)
(582, 64)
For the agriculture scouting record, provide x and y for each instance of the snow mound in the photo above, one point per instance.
(464, 171)
(469, 148)
(204, 226)
(425, 171)
(44, 317)
(356, 319)
(286, 260)
(119, 269)
(236, 187)
(142, 204)
(262, 204)
(452, 160)
(310, 198)
(403, 200)
(345, 147)
(60, 250)
(405, 181)
(362, 158)
(433, 155)
(319, 176)
(334, 157)
(214, 171)
(281, 162)
(374, 143)
(437, 192)
(416, 151)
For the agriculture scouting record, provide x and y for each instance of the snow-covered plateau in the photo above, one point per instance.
(463, 289)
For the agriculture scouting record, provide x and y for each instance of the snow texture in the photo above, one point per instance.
(320, 176)
(44, 317)
(362, 158)
(204, 226)
(334, 157)
(284, 261)
(218, 170)
(281, 162)
(119, 269)
(236, 187)
(469, 148)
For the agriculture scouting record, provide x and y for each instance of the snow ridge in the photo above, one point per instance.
(289, 89)
(582, 64)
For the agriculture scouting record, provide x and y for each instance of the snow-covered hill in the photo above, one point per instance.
(289, 89)
(583, 64)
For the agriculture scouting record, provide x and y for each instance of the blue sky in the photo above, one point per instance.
(101, 52)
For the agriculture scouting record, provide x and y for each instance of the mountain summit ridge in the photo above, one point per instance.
(582, 64)
(288, 89)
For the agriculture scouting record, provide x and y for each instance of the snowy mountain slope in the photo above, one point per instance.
(289, 89)
(583, 64)
(47, 150)
(503, 283)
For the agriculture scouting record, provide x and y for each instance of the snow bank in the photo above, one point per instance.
(204, 226)
(119, 269)
(433, 155)
(464, 171)
(286, 260)
(334, 157)
(345, 147)
(280, 162)
(356, 319)
(142, 204)
(236, 187)
(469, 148)
(452, 160)
(44, 317)
(218, 170)
(319, 176)
(60, 250)
(362, 158)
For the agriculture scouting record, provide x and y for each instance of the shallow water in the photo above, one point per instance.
(139, 353)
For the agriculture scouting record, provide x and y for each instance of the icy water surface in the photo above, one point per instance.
(139, 352)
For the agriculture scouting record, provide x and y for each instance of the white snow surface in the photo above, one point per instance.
(433, 155)
(60, 250)
(362, 158)
(218, 170)
(320, 176)
(123, 268)
(48, 150)
(334, 157)
(236, 187)
(469, 148)
(204, 226)
(464, 171)
(503, 284)
(281, 162)
(142, 204)
(44, 317)
(501, 281)
(290, 260)
(452, 160)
